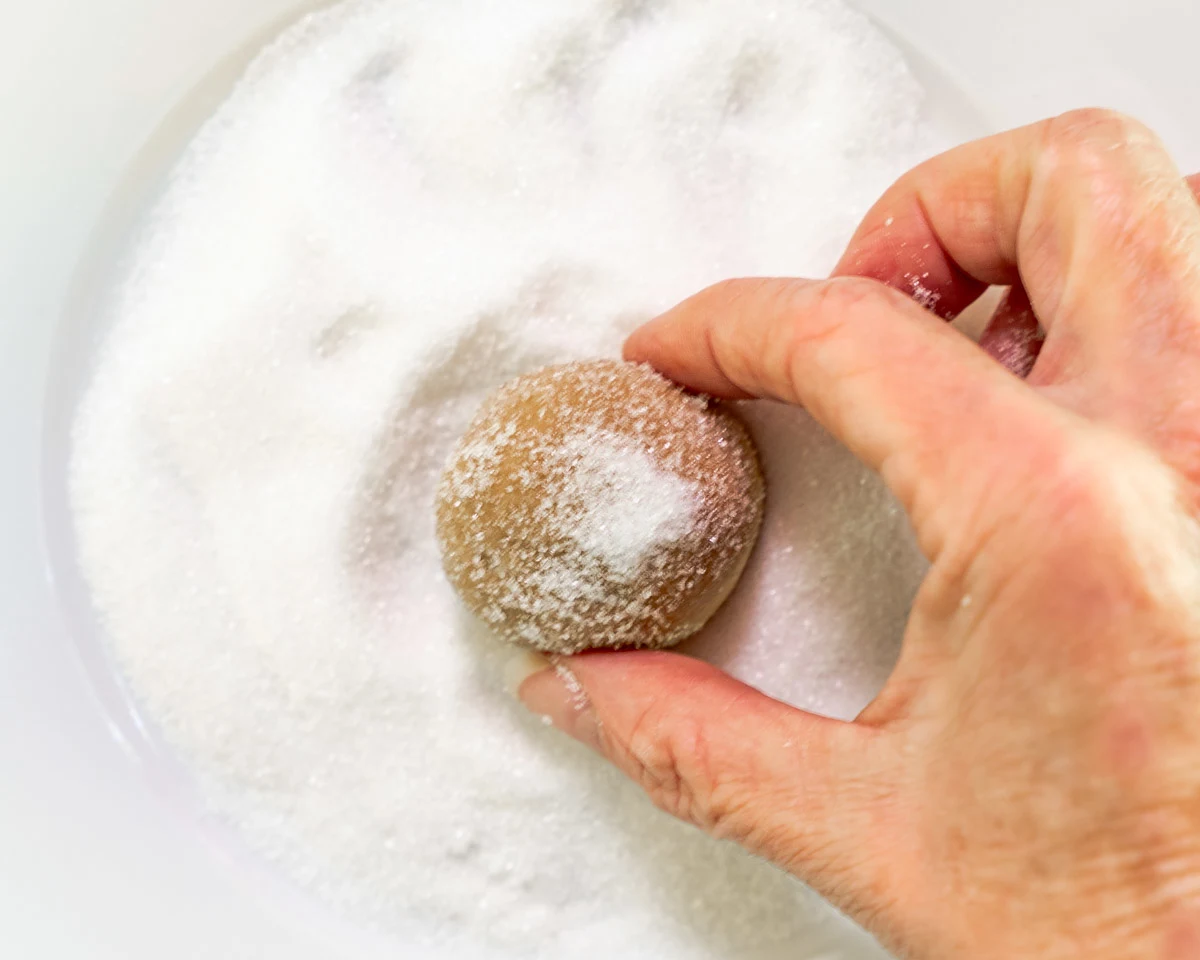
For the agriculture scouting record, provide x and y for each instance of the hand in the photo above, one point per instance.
(1028, 782)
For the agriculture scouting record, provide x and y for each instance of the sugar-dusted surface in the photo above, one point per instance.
(595, 504)
(406, 204)
(618, 505)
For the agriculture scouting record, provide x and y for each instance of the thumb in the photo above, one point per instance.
(801, 790)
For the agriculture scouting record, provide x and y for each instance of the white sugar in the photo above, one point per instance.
(626, 505)
(406, 203)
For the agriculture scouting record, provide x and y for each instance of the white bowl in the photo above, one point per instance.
(98, 858)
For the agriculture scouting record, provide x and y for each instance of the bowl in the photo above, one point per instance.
(103, 852)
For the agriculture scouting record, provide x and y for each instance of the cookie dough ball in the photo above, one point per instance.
(596, 504)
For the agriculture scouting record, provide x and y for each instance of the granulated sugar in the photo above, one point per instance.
(627, 504)
(406, 203)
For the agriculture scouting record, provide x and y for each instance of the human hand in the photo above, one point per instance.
(1028, 782)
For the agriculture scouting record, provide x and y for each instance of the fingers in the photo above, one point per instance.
(1013, 336)
(1193, 183)
(798, 789)
(900, 244)
(1086, 210)
(906, 393)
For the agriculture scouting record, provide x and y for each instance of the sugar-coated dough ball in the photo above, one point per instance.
(596, 504)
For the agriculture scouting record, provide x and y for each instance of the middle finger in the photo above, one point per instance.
(1088, 213)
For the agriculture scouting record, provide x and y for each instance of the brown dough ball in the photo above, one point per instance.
(596, 504)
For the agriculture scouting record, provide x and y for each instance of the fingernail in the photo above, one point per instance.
(520, 667)
(559, 697)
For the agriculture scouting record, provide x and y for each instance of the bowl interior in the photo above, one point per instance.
(98, 101)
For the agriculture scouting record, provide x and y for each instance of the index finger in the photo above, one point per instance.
(910, 396)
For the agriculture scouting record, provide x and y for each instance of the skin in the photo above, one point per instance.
(1028, 782)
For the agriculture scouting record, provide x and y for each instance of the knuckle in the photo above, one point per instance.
(731, 292)
(843, 296)
(1091, 124)
(1103, 496)
(725, 291)
(1128, 193)
(1044, 505)
(1076, 491)
(666, 758)
(1093, 143)
(783, 323)
(1093, 129)
(744, 359)
(1071, 482)
(670, 761)
(1117, 154)
(823, 312)
(821, 316)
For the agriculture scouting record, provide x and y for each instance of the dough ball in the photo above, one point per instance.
(596, 504)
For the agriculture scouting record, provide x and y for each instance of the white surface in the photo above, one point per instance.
(92, 863)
